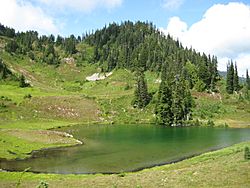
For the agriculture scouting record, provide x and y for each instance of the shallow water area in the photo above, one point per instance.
(122, 148)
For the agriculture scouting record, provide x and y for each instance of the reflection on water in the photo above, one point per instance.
(114, 149)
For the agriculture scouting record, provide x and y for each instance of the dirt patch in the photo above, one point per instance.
(214, 96)
(234, 123)
(64, 107)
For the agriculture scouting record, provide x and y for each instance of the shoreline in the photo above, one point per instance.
(140, 169)
(221, 168)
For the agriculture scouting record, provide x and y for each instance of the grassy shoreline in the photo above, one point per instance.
(17, 143)
(221, 168)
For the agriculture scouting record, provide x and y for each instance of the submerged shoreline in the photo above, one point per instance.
(134, 166)
(109, 173)
(196, 171)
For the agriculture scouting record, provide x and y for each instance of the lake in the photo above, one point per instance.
(123, 148)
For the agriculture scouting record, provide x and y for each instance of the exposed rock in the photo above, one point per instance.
(98, 76)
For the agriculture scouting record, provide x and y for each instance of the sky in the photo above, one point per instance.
(217, 27)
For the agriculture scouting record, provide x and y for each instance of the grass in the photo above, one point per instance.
(16, 94)
(223, 168)
(38, 124)
(60, 96)
(20, 143)
(222, 109)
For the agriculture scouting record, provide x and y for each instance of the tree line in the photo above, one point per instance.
(174, 101)
(127, 45)
(39, 48)
(140, 45)
(232, 79)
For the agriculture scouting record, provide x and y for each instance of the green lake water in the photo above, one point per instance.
(122, 148)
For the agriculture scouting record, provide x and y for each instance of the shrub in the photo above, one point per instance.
(22, 82)
(43, 184)
(225, 125)
(2, 105)
(122, 175)
(200, 86)
(210, 123)
(127, 87)
(197, 123)
(247, 153)
(28, 96)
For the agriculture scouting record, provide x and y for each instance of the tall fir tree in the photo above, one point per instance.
(143, 56)
(163, 109)
(175, 102)
(70, 45)
(236, 79)
(142, 98)
(178, 105)
(247, 80)
(230, 78)
(188, 101)
(214, 72)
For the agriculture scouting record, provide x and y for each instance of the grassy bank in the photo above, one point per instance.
(223, 168)
(20, 143)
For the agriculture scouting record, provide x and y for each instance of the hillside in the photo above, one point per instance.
(58, 67)
(61, 65)
(120, 49)
(48, 82)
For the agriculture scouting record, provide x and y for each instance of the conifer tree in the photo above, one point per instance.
(236, 79)
(214, 73)
(230, 78)
(247, 80)
(70, 45)
(188, 102)
(59, 40)
(96, 55)
(175, 102)
(4, 73)
(163, 109)
(178, 99)
(121, 58)
(142, 97)
(143, 56)
(22, 82)
(11, 46)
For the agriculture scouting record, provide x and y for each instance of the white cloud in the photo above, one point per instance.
(172, 4)
(242, 60)
(223, 31)
(176, 27)
(23, 16)
(83, 5)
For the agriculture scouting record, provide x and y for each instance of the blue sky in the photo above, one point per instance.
(218, 27)
(74, 20)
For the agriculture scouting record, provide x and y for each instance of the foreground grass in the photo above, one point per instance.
(223, 168)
